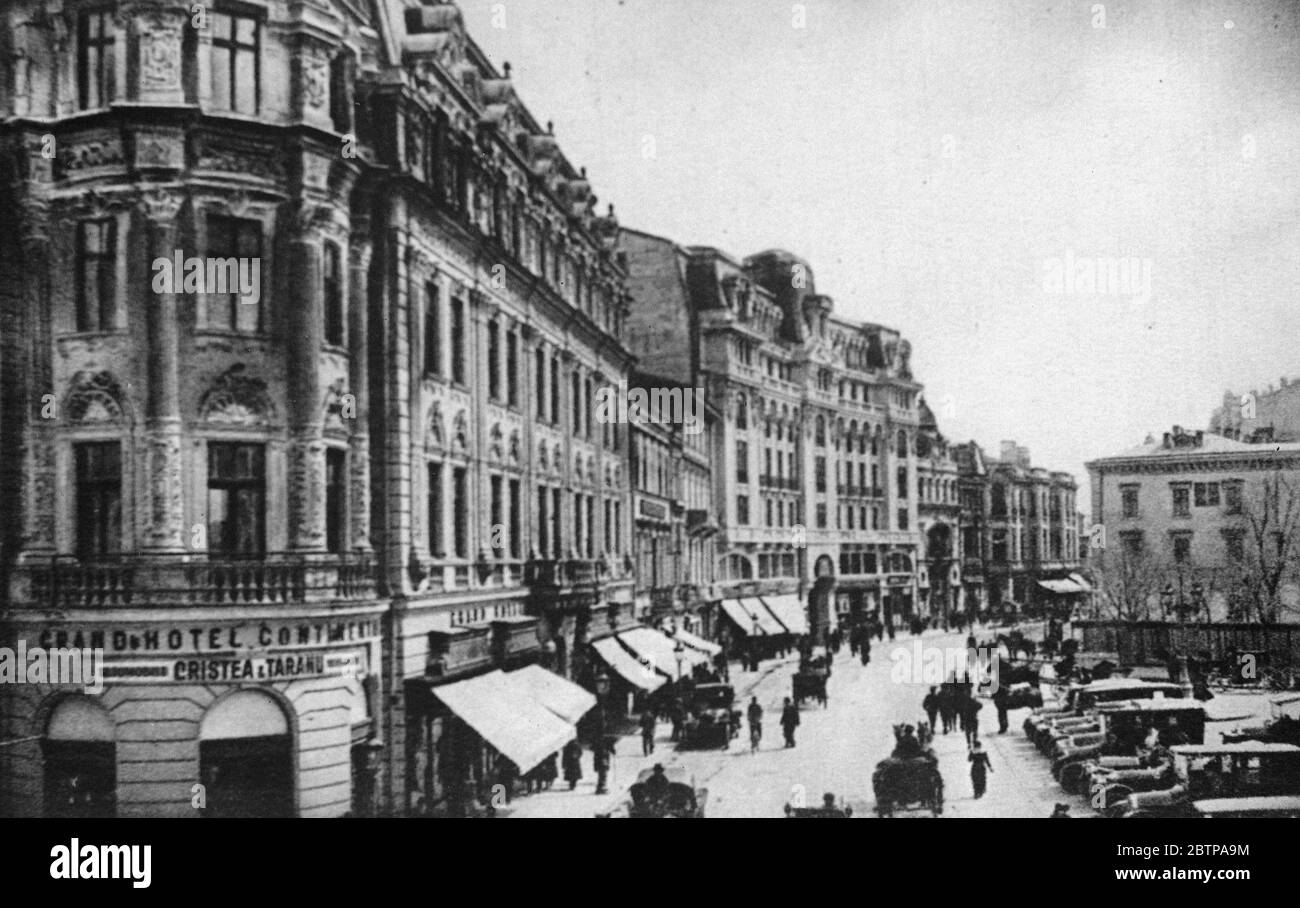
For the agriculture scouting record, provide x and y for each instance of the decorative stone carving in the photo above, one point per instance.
(246, 161)
(236, 398)
(460, 430)
(339, 416)
(42, 490)
(542, 459)
(495, 448)
(105, 151)
(434, 435)
(157, 151)
(315, 81)
(161, 206)
(306, 480)
(95, 398)
(160, 55)
(557, 458)
(359, 464)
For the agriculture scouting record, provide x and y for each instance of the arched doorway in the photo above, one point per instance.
(80, 757)
(246, 757)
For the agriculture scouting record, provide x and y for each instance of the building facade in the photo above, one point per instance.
(941, 583)
(1197, 527)
(291, 512)
(815, 470)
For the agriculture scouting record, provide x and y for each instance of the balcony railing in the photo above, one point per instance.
(171, 580)
(779, 482)
(564, 572)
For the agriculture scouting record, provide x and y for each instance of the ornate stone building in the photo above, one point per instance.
(940, 583)
(291, 515)
(815, 465)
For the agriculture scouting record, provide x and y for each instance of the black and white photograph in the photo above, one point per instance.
(609, 409)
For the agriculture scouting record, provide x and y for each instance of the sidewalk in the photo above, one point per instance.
(628, 762)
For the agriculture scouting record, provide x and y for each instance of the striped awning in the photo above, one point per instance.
(789, 610)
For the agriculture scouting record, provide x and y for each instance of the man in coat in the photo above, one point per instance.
(789, 721)
(931, 706)
(648, 724)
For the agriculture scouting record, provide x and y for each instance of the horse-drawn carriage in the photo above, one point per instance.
(661, 794)
(908, 784)
(809, 683)
(828, 810)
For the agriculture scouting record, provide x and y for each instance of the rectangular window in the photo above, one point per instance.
(1206, 494)
(819, 474)
(821, 516)
(1182, 548)
(516, 530)
(432, 330)
(512, 368)
(742, 510)
(96, 67)
(236, 64)
(460, 506)
(543, 521)
(902, 484)
(494, 360)
(334, 299)
(1129, 497)
(742, 461)
(458, 341)
(539, 380)
(99, 498)
(575, 402)
(336, 497)
(435, 511)
(555, 389)
(1182, 501)
(591, 522)
(497, 517)
(1132, 543)
(768, 510)
(236, 499)
(1232, 497)
(557, 526)
(1234, 546)
(97, 275)
(233, 238)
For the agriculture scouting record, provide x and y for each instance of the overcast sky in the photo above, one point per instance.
(931, 159)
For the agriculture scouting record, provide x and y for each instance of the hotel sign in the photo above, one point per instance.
(211, 638)
(255, 669)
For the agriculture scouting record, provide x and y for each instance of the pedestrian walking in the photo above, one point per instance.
(789, 721)
(648, 724)
(979, 767)
(755, 716)
(970, 718)
(1001, 698)
(947, 707)
(931, 706)
(572, 761)
(601, 760)
(677, 714)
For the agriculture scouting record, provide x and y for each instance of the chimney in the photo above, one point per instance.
(1169, 440)
(1200, 437)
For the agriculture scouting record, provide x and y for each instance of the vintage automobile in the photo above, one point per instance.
(1079, 698)
(1206, 771)
(1124, 731)
(1249, 808)
(711, 717)
(1022, 694)
(828, 809)
(1108, 785)
(677, 797)
(1282, 726)
(908, 784)
(809, 682)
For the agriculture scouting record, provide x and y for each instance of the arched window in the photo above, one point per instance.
(80, 759)
(902, 443)
(245, 757)
(742, 413)
(819, 432)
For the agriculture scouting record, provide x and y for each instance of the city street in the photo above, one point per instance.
(837, 749)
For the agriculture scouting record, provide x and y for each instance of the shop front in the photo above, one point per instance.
(228, 717)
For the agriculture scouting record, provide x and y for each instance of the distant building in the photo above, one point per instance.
(1269, 415)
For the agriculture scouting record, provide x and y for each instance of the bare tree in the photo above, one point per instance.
(1270, 549)
(1126, 580)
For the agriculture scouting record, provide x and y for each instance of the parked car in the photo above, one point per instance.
(1211, 771)
(1249, 808)
(1079, 698)
(1282, 726)
(1124, 731)
(677, 797)
(711, 716)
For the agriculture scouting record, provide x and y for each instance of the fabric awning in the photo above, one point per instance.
(695, 642)
(657, 649)
(789, 611)
(626, 666)
(1081, 583)
(766, 620)
(740, 615)
(503, 716)
(560, 695)
(1060, 587)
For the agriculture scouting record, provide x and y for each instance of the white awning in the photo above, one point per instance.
(659, 650)
(739, 614)
(1060, 587)
(515, 724)
(1082, 584)
(766, 620)
(699, 643)
(560, 695)
(789, 611)
(626, 666)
